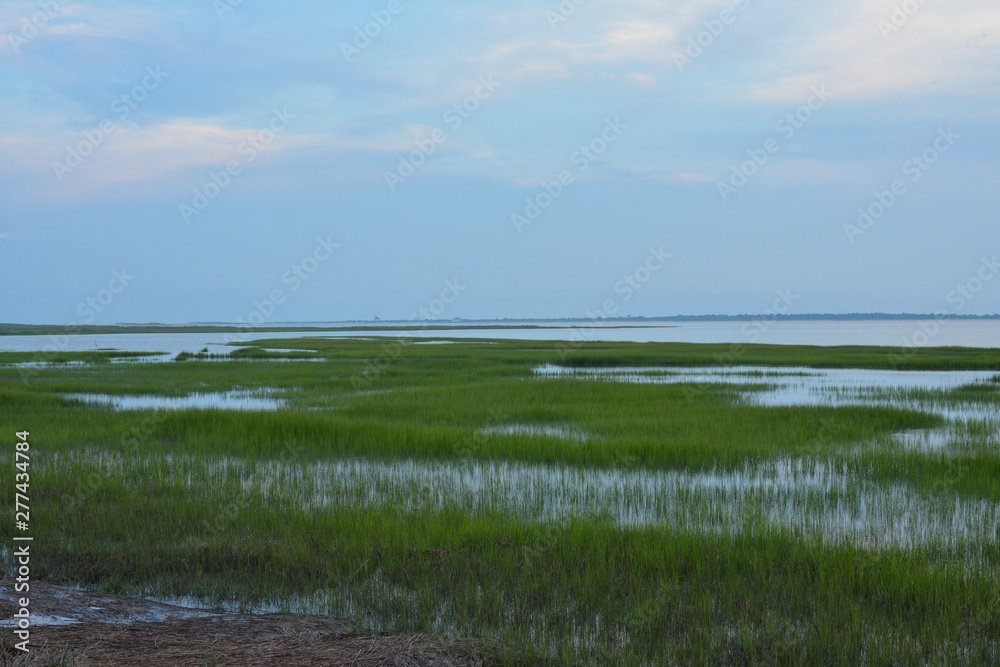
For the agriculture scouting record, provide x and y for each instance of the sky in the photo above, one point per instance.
(225, 160)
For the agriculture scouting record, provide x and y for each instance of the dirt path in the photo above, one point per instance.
(101, 629)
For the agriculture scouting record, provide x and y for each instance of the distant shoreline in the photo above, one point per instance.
(460, 324)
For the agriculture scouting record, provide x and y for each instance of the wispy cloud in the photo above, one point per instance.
(871, 49)
(157, 154)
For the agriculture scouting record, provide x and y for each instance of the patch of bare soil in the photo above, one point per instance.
(81, 628)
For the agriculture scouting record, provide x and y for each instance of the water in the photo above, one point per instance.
(771, 386)
(884, 333)
(166, 343)
(242, 400)
(149, 359)
(40, 620)
(891, 333)
(561, 432)
(812, 498)
(789, 385)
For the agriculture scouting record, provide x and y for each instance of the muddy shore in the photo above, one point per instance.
(81, 628)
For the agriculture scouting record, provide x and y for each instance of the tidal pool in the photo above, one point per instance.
(792, 385)
(239, 399)
(769, 386)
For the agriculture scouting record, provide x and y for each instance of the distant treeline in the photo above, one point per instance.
(505, 323)
(818, 316)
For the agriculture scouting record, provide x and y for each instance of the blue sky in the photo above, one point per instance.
(216, 152)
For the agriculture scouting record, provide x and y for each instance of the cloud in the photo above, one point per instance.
(607, 53)
(693, 178)
(638, 39)
(869, 50)
(641, 80)
(599, 32)
(20, 20)
(666, 175)
(155, 153)
(94, 162)
(767, 52)
(550, 69)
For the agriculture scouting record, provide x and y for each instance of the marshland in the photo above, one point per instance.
(602, 503)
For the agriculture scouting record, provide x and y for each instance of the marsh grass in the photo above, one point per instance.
(362, 499)
(55, 358)
(250, 352)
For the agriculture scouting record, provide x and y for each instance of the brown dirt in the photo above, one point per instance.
(116, 630)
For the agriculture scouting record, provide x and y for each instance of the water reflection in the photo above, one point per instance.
(816, 499)
(241, 400)
(920, 391)
(549, 431)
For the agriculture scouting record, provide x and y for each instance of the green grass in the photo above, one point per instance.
(234, 508)
(241, 353)
(689, 354)
(94, 357)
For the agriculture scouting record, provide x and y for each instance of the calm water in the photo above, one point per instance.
(787, 385)
(244, 401)
(892, 333)
(832, 387)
